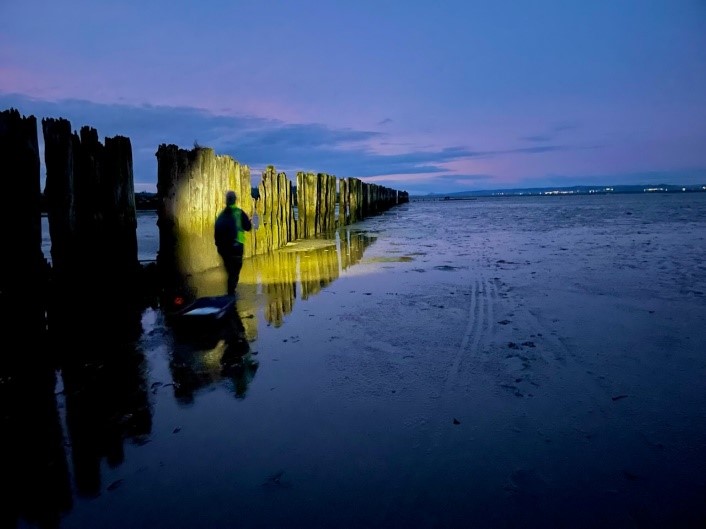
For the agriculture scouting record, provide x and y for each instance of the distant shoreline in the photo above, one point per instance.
(145, 201)
(563, 191)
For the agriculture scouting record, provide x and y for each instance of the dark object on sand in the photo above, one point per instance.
(203, 313)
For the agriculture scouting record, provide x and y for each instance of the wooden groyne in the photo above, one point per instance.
(92, 218)
(191, 186)
(90, 203)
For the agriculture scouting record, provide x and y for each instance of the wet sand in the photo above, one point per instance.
(491, 363)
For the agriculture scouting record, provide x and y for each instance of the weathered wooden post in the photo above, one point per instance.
(357, 200)
(276, 211)
(23, 269)
(191, 186)
(306, 204)
(60, 147)
(92, 219)
(342, 202)
(327, 202)
(119, 211)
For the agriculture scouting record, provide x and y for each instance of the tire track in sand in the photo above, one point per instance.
(477, 331)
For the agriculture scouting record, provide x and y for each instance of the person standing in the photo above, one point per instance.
(229, 236)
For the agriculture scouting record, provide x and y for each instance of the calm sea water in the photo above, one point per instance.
(524, 214)
(506, 362)
(147, 235)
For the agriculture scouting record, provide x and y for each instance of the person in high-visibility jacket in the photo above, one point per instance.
(229, 236)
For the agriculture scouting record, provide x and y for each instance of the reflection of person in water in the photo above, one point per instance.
(219, 355)
(237, 362)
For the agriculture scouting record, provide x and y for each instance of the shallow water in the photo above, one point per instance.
(514, 362)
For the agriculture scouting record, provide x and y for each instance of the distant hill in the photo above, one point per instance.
(149, 202)
(145, 201)
(570, 190)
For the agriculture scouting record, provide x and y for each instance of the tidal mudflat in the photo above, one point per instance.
(520, 362)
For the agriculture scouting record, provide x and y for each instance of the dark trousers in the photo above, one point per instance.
(233, 262)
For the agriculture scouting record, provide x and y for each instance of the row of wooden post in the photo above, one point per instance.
(90, 200)
(192, 185)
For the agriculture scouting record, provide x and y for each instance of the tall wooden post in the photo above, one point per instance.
(23, 269)
(191, 185)
(307, 192)
(275, 209)
(60, 146)
(93, 226)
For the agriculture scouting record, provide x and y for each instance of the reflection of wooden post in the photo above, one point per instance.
(318, 270)
(23, 271)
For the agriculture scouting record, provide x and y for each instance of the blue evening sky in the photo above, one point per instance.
(417, 95)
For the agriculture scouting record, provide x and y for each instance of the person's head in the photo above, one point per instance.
(230, 198)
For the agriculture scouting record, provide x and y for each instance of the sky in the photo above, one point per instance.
(416, 95)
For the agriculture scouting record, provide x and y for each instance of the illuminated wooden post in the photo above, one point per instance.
(328, 202)
(343, 202)
(306, 204)
(276, 211)
(191, 186)
(361, 200)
